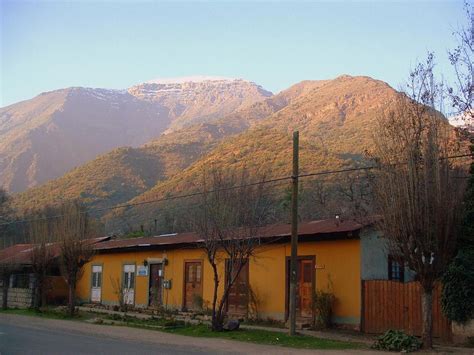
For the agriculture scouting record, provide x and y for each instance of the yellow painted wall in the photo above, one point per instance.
(337, 267)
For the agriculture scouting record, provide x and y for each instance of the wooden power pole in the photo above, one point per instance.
(294, 235)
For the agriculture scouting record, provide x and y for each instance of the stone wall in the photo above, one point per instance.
(18, 297)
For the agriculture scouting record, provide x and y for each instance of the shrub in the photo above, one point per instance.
(397, 340)
(323, 304)
(198, 301)
(458, 287)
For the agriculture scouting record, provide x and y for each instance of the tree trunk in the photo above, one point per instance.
(72, 298)
(43, 293)
(37, 294)
(427, 317)
(5, 292)
(215, 318)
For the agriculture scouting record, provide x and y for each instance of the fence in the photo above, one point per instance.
(396, 305)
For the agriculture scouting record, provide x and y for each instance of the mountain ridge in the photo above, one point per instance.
(44, 137)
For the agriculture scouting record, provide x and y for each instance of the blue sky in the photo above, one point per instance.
(115, 44)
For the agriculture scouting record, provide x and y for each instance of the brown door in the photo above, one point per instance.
(193, 285)
(156, 285)
(238, 298)
(304, 287)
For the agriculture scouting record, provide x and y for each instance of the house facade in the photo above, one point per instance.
(172, 272)
(18, 279)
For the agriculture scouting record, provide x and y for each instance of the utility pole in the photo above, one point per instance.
(294, 234)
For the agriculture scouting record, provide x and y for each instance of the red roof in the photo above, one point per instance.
(314, 228)
(21, 253)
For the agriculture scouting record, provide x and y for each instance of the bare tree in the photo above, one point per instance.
(42, 253)
(461, 58)
(119, 289)
(415, 188)
(72, 231)
(227, 220)
(355, 195)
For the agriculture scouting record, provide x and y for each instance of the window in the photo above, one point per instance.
(96, 276)
(129, 276)
(396, 269)
(20, 281)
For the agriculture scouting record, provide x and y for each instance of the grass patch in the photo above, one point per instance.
(45, 313)
(266, 337)
(153, 322)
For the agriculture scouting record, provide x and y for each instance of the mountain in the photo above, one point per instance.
(125, 173)
(336, 120)
(199, 99)
(463, 121)
(43, 138)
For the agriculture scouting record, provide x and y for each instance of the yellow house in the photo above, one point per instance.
(172, 272)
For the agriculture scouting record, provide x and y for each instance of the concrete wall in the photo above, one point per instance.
(374, 256)
(18, 297)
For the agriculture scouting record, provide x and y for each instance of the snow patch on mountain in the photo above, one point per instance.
(189, 79)
(464, 120)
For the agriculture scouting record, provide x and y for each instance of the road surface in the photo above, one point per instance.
(31, 335)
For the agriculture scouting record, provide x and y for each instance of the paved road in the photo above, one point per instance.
(30, 335)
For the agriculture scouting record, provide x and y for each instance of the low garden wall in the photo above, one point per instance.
(18, 297)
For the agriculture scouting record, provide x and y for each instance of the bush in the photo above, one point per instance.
(323, 304)
(458, 287)
(396, 340)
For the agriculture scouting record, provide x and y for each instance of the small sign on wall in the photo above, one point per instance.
(142, 271)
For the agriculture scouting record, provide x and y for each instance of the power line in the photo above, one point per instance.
(199, 193)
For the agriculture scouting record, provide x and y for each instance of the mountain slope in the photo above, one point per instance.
(42, 138)
(336, 120)
(124, 173)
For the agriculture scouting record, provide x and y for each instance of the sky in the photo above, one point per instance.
(48, 45)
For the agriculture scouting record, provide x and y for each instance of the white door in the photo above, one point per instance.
(128, 284)
(96, 289)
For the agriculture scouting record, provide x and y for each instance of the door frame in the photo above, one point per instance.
(149, 280)
(122, 279)
(287, 281)
(101, 282)
(245, 268)
(185, 261)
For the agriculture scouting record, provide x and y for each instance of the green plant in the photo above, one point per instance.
(470, 342)
(397, 340)
(323, 305)
(198, 301)
(255, 302)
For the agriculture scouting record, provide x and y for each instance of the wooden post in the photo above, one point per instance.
(294, 235)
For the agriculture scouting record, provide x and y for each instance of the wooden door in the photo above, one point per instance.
(192, 285)
(238, 298)
(305, 288)
(156, 285)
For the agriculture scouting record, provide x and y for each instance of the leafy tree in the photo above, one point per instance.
(458, 280)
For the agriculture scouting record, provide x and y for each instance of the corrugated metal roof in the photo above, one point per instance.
(21, 253)
(313, 228)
